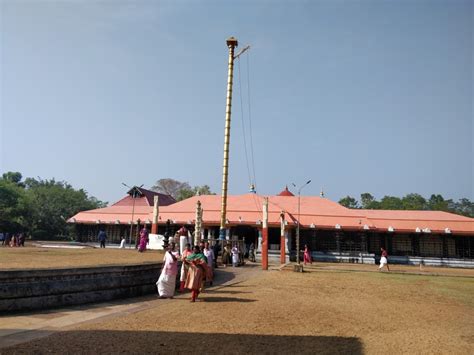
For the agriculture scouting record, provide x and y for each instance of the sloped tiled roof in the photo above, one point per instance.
(320, 212)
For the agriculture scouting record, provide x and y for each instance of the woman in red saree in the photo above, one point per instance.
(196, 273)
(143, 239)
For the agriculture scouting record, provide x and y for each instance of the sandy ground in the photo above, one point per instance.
(319, 311)
(34, 258)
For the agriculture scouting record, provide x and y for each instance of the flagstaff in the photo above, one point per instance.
(231, 44)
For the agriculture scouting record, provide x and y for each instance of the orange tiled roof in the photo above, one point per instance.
(409, 221)
(317, 211)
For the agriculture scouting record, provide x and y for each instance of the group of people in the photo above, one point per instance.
(232, 255)
(12, 240)
(141, 243)
(383, 257)
(197, 268)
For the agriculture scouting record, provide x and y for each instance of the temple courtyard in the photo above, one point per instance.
(330, 308)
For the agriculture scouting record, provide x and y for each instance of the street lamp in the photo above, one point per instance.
(133, 192)
(298, 226)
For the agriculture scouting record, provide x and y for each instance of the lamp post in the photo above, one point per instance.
(298, 268)
(133, 193)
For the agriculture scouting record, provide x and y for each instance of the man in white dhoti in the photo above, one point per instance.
(235, 255)
(383, 259)
(167, 281)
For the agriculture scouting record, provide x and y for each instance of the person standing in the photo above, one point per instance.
(307, 255)
(184, 266)
(182, 235)
(197, 273)
(7, 239)
(21, 239)
(13, 241)
(383, 259)
(2, 238)
(102, 237)
(252, 253)
(235, 256)
(122, 243)
(167, 281)
(201, 246)
(209, 254)
(143, 239)
(226, 255)
(216, 249)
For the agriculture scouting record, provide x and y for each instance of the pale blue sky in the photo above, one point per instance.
(359, 96)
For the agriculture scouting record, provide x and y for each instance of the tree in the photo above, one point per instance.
(170, 187)
(13, 177)
(349, 202)
(52, 203)
(414, 202)
(464, 207)
(13, 206)
(391, 203)
(180, 190)
(183, 194)
(40, 207)
(438, 203)
(368, 201)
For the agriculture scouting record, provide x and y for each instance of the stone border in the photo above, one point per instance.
(26, 290)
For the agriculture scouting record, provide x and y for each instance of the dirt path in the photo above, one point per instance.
(320, 311)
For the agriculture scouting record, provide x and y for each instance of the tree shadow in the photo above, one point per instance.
(160, 342)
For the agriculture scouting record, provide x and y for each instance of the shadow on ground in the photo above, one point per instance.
(205, 298)
(157, 342)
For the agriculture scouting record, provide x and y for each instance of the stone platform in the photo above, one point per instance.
(26, 290)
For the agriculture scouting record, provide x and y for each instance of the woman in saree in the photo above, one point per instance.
(143, 239)
(196, 273)
(167, 281)
(184, 266)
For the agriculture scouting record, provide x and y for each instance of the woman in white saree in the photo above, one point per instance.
(167, 281)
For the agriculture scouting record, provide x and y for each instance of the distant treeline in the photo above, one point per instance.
(411, 202)
(40, 207)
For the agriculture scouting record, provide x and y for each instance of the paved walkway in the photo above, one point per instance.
(23, 327)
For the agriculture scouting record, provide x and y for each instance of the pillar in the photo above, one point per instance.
(282, 238)
(154, 225)
(198, 223)
(265, 235)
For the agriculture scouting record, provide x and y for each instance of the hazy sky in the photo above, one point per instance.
(359, 96)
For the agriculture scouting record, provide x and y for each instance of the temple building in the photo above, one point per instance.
(117, 218)
(332, 232)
